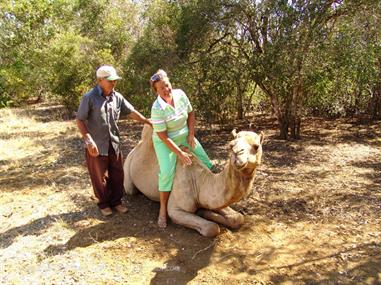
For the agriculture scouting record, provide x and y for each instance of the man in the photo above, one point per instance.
(97, 118)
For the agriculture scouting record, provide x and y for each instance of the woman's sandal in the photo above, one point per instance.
(162, 222)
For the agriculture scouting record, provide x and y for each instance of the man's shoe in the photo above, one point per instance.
(106, 211)
(121, 209)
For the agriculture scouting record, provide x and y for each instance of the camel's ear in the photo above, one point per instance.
(262, 137)
(234, 133)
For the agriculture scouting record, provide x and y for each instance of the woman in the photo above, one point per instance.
(173, 123)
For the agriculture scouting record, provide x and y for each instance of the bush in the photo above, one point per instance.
(73, 60)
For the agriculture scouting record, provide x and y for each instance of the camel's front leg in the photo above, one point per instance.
(190, 220)
(226, 216)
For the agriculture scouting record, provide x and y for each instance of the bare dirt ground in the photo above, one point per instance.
(313, 218)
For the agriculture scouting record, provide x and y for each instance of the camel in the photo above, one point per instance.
(199, 199)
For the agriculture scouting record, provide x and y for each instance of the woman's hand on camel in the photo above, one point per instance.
(186, 158)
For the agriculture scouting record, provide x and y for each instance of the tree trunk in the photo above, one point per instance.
(375, 106)
(248, 105)
(282, 115)
(283, 128)
(295, 127)
(240, 113)
(295, 105)
(376, 98)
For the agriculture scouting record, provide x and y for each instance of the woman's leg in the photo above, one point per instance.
(167, 164)
(200, 153)
(162, 220)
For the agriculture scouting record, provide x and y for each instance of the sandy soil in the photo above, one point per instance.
(313, 218)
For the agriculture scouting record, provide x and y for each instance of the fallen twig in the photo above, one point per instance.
(201, 250)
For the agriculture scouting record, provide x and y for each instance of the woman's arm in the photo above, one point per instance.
(183, 156)
(191, 122)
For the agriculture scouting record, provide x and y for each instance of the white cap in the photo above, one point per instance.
(107, 72)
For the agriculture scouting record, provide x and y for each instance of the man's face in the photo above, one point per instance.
(107, 86)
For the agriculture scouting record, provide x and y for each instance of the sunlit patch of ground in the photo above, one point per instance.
(313, 218)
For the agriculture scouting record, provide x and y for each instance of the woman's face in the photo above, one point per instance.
(163, 87)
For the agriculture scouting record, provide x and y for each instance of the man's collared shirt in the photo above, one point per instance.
(101, 115)
(165, 117)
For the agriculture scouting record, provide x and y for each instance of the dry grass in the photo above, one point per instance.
(314, 217)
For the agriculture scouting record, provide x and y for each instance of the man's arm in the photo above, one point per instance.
(135, 115)
(90, 144)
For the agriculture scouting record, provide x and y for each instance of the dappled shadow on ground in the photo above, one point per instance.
(25, 134)
(38, 226)
(374, 171)
(368, 255)
(314, 267)
(281, 210)
(140, 223)
(364, 199)
(46, 112)
(346, 130)
(50, 164)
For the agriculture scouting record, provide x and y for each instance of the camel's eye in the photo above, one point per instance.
(255, 147)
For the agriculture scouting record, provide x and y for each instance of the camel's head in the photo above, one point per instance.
(246, 148)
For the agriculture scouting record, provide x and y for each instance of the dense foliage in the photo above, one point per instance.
(232, 57)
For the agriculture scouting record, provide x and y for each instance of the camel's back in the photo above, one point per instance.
(141, 168)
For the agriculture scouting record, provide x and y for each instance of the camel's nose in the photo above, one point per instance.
(239, 158)
(239, 151)
(238, 148)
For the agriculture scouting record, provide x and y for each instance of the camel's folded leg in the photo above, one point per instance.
(191, 220)
(226, 216)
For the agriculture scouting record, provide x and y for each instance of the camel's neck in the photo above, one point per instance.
(225, 188)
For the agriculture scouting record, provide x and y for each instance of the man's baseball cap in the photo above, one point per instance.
(107, 72)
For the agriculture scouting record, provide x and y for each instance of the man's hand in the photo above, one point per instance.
(148, 122)
(91, 146)
(135, 115)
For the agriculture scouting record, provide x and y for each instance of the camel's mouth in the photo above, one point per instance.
(242, 167)
(248, 165)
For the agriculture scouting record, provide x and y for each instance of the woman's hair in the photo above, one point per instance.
(159, 75)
